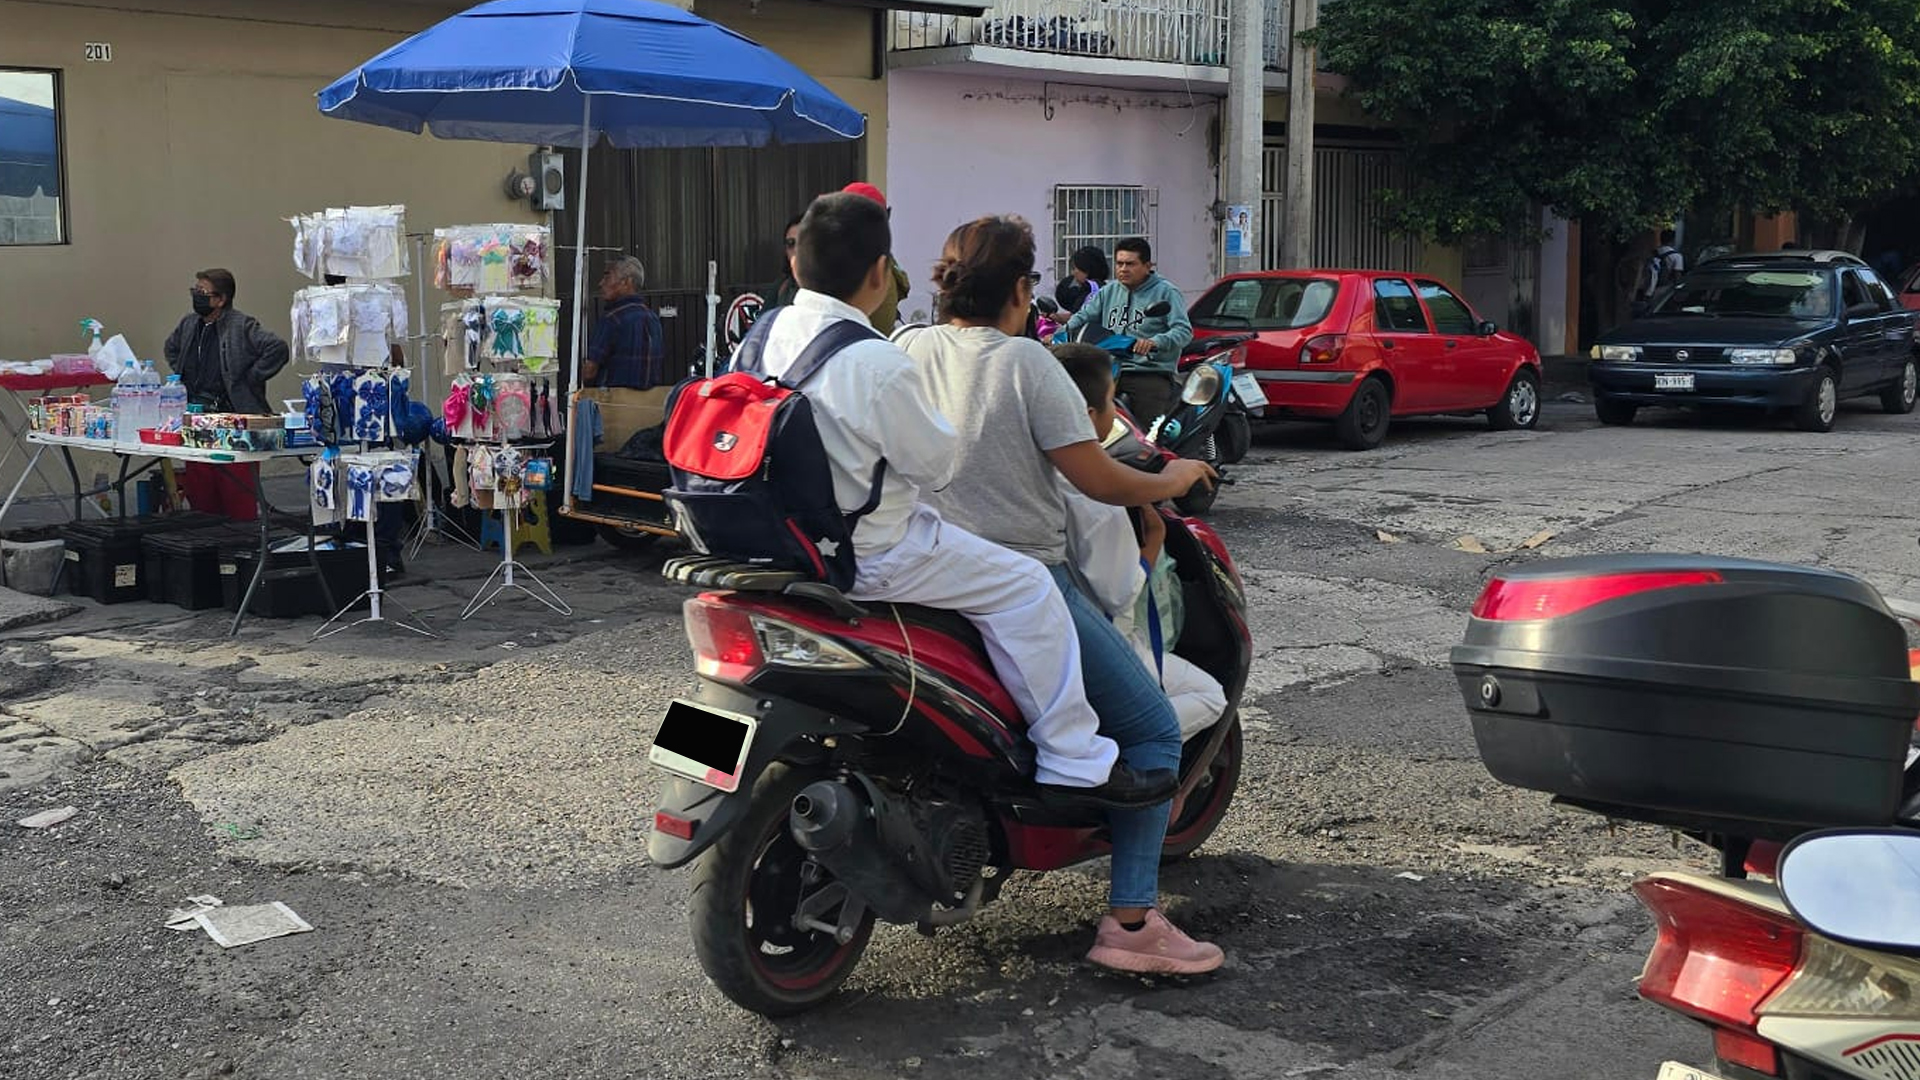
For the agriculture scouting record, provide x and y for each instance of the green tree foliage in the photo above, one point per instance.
(1631, 111)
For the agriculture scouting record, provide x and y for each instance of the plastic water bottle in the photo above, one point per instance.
(121, 401)
(149, 396)
(173, 404)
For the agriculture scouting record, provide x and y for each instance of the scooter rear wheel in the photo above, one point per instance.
(1207, 804)
(745, 891)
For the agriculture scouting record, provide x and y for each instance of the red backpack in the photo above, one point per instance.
(751, 480)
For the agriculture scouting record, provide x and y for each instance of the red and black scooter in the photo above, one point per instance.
(842, 764)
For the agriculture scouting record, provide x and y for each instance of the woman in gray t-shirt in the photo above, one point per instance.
(1021, 422)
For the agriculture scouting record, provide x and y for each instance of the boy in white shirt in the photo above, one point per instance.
(868, 405)
(1102, 546)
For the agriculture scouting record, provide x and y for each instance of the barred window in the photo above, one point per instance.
(31, 208)
(1087, 216)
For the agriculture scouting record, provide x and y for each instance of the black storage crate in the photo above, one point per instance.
(290, 589)
(1761, 701)
(104, 559)
(183, 568)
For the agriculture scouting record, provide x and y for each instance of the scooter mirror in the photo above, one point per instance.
(1157, 310)
(1859, 887)
(1046, 305)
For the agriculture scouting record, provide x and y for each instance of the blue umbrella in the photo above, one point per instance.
(566, 72)
(643, 74)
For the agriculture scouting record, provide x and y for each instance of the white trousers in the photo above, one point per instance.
(1198, 699)
(1012, 600)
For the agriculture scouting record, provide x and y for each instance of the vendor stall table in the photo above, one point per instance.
(17, 388)
(155, 453)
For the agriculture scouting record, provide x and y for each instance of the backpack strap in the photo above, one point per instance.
(747, 357)
(838, 335)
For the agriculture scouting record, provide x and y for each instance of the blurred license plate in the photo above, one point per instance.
(1249, 390)
(703, 744)
(1674, 1070)
(1680, 381)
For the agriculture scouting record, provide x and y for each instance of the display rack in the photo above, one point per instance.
(377, 603)
(508, 573)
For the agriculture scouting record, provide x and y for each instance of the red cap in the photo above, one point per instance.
(861, 187)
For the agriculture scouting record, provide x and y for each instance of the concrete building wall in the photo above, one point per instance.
(961, 146)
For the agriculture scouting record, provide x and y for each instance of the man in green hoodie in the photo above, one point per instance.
(1147, 378)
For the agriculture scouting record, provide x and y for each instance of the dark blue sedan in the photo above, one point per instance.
(1783, 334)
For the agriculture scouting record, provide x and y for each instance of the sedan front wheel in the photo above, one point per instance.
(1822, 404)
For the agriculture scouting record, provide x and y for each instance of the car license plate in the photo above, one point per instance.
(1248, 387)
(1674, 1070)
(1673, 381)
(703, 744)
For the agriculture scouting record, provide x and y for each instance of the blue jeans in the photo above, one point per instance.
(1135, 713)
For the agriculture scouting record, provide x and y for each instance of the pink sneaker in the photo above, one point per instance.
(1158, 948)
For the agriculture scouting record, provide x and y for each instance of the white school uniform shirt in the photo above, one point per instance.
(1101, 547)
(868, 404)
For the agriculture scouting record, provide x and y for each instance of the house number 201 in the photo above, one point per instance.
(98, 51)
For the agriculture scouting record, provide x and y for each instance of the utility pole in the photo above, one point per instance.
(1241, 132)
(1297, 240)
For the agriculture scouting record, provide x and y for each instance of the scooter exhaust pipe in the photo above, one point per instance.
(826, 814)
(832, 821)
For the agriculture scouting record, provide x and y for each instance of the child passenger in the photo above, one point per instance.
(1103, 548)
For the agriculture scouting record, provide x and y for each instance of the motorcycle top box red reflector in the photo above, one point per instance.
(1552, 598)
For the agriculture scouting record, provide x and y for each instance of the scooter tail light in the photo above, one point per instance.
(725, 646)
(1746, 1051)
(1551, 598)
(1836, 982)
(1323, 348)
(1716, 958)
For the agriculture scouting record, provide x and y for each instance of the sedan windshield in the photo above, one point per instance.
(1784, 294)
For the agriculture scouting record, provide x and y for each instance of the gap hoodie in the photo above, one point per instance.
(1119, 310)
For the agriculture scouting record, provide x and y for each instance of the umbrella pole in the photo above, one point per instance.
(579, 291)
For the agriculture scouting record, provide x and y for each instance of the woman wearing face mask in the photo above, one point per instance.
(224, 357)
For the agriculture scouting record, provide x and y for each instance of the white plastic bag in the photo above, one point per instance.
(114, 357)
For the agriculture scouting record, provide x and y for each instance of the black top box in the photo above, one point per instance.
(1710, 694)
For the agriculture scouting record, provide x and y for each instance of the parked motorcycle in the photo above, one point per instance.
(1814, 979)
(842, 764)
(1743, 704)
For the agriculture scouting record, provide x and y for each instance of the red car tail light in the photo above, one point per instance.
(725, 646)
(1323, 348)
(1551, 598)
(1717, 959)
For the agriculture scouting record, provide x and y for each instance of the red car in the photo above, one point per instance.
(1359, 347)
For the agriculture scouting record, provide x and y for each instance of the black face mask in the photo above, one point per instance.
(202, 303)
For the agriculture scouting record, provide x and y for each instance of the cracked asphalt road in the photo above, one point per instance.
(464, 821)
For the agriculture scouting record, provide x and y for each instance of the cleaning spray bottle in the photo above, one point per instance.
(93, 326)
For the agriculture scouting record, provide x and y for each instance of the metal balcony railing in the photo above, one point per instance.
(1171, 31)
(1279, 36)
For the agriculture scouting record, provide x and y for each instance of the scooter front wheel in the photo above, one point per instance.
(746, 889)
(1207, 803)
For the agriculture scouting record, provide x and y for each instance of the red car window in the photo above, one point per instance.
(1268, 303)
(1451, 315)
(1395, 310)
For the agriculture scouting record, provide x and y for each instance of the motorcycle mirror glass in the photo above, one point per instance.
(1046, 305)
(1860, 888)
(1159, 309)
